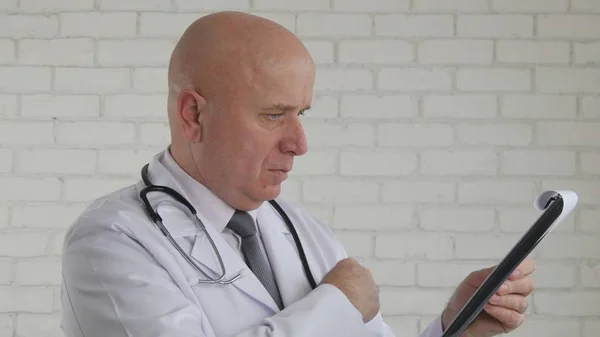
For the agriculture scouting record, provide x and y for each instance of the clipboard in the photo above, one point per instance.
(556, 205)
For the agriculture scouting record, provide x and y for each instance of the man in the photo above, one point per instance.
(238, 85)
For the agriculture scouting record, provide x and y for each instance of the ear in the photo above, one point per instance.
(190, 112)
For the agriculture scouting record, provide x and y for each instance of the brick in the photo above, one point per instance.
(24, 79)
(7, 51)
(445, 275)
(483, 246)
(590, 275)
(340, 191)
(518, 220)
(569, 246)
(418, 192)
(521, 162)
(456, 220)
(22, 244)
(324, 107)
(164, 25)
(57, 161)
(38, 271)
(373, 6)
(17, 26)
(590, 328)
(415, 79)
(123, 162)
(106, 80)
(494, 79)
(585, 6)
(356, 244)
(150, 80)
(134, 106)
(141, 5)
(360, 217)
(31, 325)
(26, 299)
(494, 26)
(461, 6)
(211, 5)
(6, 162)
(46, 105)
(86, 190)
(335, 135)
(538, 107)
(408, 25)
(494, 192)
(403, 326)
(343, 79)
(413, 246)
(587, 190)
(413, 301)
(392, 272)
(415, 135)
(377, 163)
(568, 80)
(590, 162)
(57, 52)
(323, 213)
(568, 26)
(535, 6)
(8, 5)
(26, 133)
(459, 106)
(321, 51)
(19, 189)
(333, 25)
(573, 303)
(290, 190)
(56, 5)
(135, 52)
(8, 105)
(376, 51)
(459, 162)
(380, 106)
(534, 52)
(495, 134)
(286, 20)
(47, 216)
(590, 107)
(587, 52)
(588, 220)
(455, 52)
(6, 275)
(95, 133)
(155, 134)
(316, 162)
(547, 327)
(554, 275)
(122, 25)
(306, 5)
(568, 133)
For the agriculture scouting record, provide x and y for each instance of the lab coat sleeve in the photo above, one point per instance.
(114, 287)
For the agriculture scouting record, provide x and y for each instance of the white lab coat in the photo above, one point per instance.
(122, 277)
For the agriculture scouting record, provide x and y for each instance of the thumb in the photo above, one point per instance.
(476, 278)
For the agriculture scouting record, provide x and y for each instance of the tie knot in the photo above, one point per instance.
(242, 224)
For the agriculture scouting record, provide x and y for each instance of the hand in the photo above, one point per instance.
(504, 312)
(356, 282)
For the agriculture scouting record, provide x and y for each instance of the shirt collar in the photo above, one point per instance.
(208, 205)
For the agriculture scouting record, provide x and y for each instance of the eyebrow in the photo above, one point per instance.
(286, 107)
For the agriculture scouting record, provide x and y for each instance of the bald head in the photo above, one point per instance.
(238, 84)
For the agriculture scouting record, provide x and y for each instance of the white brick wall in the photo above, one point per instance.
(435, 124)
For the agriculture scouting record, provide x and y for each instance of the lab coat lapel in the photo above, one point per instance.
(203, 252)
(283, 256)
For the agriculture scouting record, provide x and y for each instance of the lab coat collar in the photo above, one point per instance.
(214, 210)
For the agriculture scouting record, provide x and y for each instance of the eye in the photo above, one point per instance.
(274, 116)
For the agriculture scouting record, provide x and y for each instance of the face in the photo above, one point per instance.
(249, 139)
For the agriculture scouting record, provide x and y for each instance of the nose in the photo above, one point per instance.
(294, 141)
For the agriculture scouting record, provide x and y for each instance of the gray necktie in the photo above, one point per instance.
(243, 225)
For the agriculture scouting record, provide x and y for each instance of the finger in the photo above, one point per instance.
(508, 318)
(524, 269)
(517, 303)
(476, 278)
(522, 286)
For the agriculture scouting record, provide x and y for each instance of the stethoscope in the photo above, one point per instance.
(221, 279)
